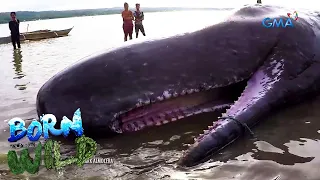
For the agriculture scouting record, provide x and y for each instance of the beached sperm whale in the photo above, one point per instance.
(238, 62)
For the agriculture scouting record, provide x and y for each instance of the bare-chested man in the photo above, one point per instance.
(127, 17)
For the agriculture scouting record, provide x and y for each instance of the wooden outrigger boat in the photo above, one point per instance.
(38, 35)
(5, 40)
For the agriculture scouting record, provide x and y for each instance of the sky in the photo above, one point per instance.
(43, 5)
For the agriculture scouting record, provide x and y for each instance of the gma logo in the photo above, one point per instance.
(271, 23)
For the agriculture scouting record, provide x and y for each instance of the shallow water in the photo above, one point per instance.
(287, 143)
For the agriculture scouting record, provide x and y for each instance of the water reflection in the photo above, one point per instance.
(17, 63)
(17, 60)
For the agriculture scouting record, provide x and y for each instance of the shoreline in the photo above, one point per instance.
(25, 16)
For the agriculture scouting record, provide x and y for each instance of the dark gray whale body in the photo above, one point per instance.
(238, 62)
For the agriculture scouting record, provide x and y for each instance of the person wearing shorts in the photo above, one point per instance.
(127, 26)
(139, 17)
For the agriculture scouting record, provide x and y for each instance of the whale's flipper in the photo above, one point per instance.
(285, 77)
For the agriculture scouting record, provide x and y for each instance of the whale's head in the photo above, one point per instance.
(155, 82)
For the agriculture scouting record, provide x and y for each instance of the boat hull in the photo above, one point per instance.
(38, 35)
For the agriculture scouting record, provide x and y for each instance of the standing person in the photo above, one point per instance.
(15, 32)
(139, 17)
(127, 26)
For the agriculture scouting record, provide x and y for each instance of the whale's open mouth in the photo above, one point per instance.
(172, 107)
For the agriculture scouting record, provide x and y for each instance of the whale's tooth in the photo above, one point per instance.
(183, 92)
(181, 111)
(164, 97)
(180, 117)
(148, 122)
(157, 122)
(170, 112)
(175, 94)
(196, 90)
(125, 128)
(167, 116)
(139, 104)
(205, 131)
(128, 127)
(119, 130)
(195, 139)
(189, 114)
(210, 127)
(141, 124)
(162, 115)
(235, 78)
(142, 121)
(173, 119)
(216, 108)
(165, 121)
(136, 127)
(116, 115)
(168, 95)
(215, 125)
(123, 113)
(206, 110)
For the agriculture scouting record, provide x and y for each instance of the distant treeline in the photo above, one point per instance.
(33, 15)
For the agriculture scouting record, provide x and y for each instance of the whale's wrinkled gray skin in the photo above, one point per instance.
(238, 62)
